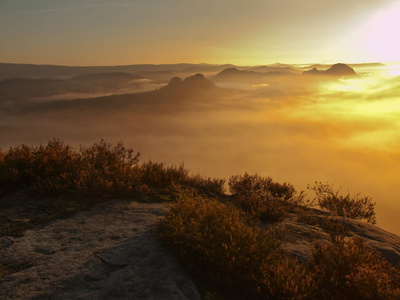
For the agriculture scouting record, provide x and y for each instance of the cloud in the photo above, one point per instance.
(295, 130)
(49, 10)
(274, 46)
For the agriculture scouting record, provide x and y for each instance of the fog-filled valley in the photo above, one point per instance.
(296, 123)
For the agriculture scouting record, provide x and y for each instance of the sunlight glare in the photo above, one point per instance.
(394, 70)
(351, 85)
(384, 106)
(380, 35)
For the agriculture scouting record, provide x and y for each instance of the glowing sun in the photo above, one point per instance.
(380, 36)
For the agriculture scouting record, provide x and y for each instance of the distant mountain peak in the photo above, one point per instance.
(198, 81)
(230, 70)
(341, 69)
(106, 76)
(338, 69)
(175, 82)
(195, 82)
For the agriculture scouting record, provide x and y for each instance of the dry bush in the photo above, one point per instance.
(50, 169)
(206, 185)
(218, 239)
(347, 269)
(356, 207)
(99, 170)
(164, 178)
(108, 170)
(267, 210)
(267, 200)
(247, 185)
(16, 167)
(54, 168)
(161, 175)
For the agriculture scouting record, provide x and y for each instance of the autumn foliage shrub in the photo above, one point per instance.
(52, 167)
(159, 176)
(222, 242)
(262, 197)
(98, 170)
(347, 269)
(225, 246)
(267, 210)
(109, 170)
(257, 185)
(354, 207)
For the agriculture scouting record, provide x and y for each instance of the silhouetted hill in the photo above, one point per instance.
(175, 82)
(10, 70)
(274, 68)
(120, 76)
(197, 81)
(236, 75)
(190, 84)
(86, 85)
(314, 71)
(336, 70)
(18, 89)
(325, 67)
(230, 72)
(340, 70)
(207, 68)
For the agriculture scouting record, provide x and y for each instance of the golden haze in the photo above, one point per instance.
(294, 128)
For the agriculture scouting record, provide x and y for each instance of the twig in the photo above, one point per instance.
(109, 263)
(10, 239)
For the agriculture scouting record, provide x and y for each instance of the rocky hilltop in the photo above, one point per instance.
(111, 252)
(108, 252)
(337, 70)
(195, 82)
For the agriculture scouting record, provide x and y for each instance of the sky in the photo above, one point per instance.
(104, 32)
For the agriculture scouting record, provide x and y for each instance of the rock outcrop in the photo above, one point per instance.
(336, 70)
(193, 83)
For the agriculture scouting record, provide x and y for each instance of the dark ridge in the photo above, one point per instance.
(175, 82)
(197, 81)
(234, 74)
(336, 70)
(106, 76)
(341, 70)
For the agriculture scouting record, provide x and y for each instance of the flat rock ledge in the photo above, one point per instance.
(108, 252)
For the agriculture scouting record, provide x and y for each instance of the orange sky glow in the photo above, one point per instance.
(133, 32)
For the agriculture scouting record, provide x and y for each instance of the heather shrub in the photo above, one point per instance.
(98, 170)
(161, 175)
(356, 207)
(163, 178)
(267, 200)
(54, 169)
(247, 185)
(109, 170)
(44, 169)
(16, 167)
(219, 240)
(206, 185)
(347, 269)
(267, 210)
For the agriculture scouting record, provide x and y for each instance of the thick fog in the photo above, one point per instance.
(295, 128)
